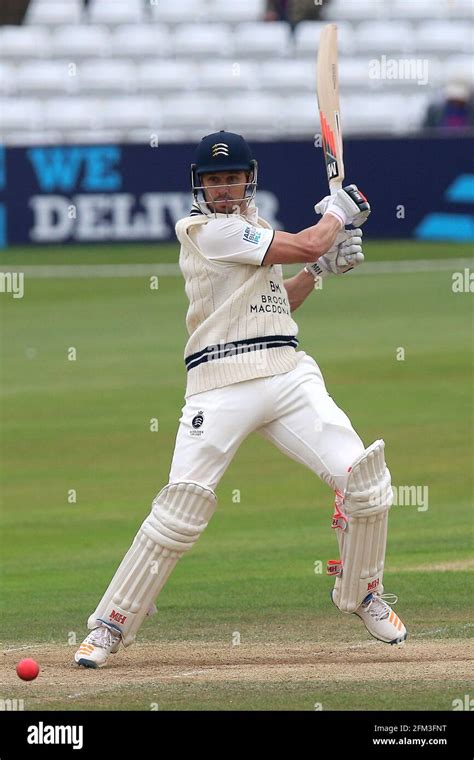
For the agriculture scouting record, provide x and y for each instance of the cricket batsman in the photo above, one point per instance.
(245, 374)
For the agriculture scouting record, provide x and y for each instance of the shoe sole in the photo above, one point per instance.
(87, 663)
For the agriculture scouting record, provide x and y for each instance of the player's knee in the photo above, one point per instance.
(344, 448)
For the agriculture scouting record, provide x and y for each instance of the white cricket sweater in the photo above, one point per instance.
(238, 319)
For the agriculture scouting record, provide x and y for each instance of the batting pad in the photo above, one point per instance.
(178, 516)
(362, 542)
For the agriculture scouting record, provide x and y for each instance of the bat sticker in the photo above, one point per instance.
(329, 147)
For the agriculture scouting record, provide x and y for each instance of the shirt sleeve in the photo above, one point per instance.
(233, 240)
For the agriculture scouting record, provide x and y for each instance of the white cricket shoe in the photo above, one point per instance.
(96, 647)
(380, 620)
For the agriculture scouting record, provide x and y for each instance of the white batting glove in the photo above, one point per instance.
(348, 205)
(345, 254)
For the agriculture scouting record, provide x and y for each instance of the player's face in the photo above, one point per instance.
(225, 190)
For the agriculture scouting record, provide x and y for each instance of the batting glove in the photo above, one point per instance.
(346, 254)
(348, 205)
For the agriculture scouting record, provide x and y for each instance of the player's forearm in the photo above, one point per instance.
(298, 288)
(320, 237)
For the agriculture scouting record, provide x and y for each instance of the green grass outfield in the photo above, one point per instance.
(378, 250)
(84, 425)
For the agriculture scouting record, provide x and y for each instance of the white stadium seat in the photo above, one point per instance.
(82, 41)
(228, 76)
(91, 136)
(202, 40)
(436, 70)
(383, 113)
(179, 11)
(288, 77)
(196, 113)
(166, 135)
(383, 37)
(54, 12)
(420, 9)
(35, 137)
(8, 80)
(258, 39)
(370, 115)
(72, 113)
(459, 67)
(353, 73)
(307, 35)
(165, 76)
(20, 113)
(45, 77)
(355, 10)
(237, 11)
(139, 40)
(20, 42)
(445, 37)
(253, 115)
(116, 11)
(147, 135)
(135, 112)
(460, 9)
(106, 76)
(300, 115)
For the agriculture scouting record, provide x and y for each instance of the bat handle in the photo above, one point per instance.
(334, 186)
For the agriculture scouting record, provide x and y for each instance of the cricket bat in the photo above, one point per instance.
(327, 87)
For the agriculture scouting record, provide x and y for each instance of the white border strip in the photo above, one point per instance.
(87, 271)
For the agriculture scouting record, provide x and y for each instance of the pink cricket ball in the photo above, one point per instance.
(27, 669)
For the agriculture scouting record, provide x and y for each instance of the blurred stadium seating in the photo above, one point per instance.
(121, 68)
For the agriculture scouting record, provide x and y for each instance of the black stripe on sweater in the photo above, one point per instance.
(222, 350)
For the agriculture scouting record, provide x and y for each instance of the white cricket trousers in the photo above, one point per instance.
(293, 410)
